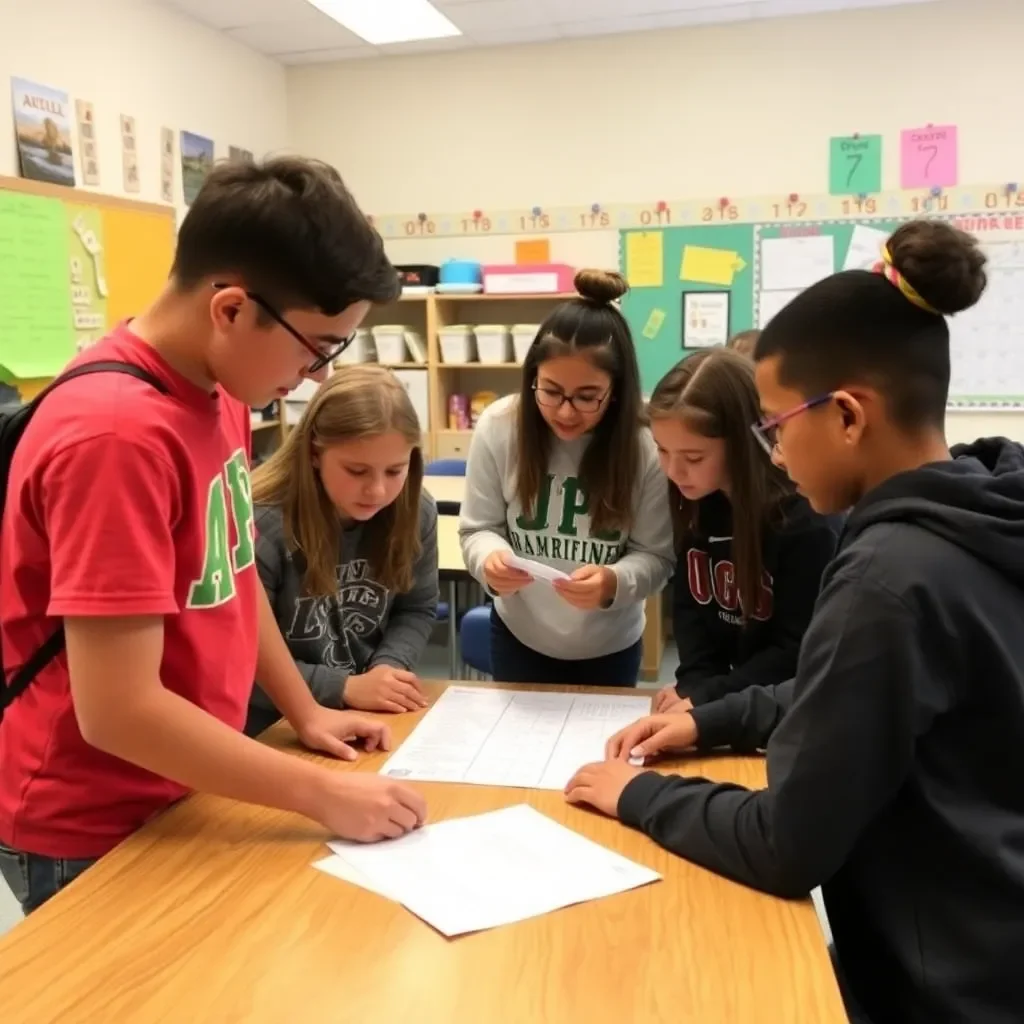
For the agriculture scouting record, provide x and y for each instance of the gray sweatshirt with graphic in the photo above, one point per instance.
(558, 535)
(360, 626)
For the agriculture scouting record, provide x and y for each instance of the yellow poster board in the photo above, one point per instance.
(72, 265)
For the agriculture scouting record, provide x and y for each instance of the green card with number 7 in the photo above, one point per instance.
(855, 165)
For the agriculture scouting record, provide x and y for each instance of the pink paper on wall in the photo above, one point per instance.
(928, 156)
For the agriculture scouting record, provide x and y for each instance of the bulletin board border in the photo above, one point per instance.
(992, 198)
(83, 196)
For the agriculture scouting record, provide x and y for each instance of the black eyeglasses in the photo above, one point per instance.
(322, 358)
(555, 399)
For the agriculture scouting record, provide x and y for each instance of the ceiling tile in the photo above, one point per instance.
(314, 31)
(514, 36)
(330, 55)
(732, 12)
(236, 13)
(493, 15)
(425, 46)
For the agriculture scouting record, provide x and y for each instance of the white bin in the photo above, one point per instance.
(522, 339)
(493, 343)
(390, 342)
(360, 351)
(456, 344)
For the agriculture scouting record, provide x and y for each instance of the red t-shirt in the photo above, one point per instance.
(122, 501)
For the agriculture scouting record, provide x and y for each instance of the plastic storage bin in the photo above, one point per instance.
(493, 343)
(460, 272)
(390, 342)
(456, 344)
(360, 351)
(522, 339)
(528, 279)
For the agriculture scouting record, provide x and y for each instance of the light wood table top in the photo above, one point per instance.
(449, 550)
(212, 914)
(446, 488)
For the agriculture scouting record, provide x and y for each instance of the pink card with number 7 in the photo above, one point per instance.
(928, 156)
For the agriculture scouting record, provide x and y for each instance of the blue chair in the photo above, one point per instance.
(446, 467)
(475, 638)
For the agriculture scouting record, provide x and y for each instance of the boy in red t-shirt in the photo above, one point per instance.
(129, 517)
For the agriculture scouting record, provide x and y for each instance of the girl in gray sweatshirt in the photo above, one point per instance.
(347, 546)
(564, 474)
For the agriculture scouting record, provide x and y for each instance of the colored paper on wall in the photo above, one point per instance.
(87, 274)
(654, 324)
(645, 259)
(139, 248)
(855, 165)
(35, 299)
(533, 250)
(928, 156)
(710, 266)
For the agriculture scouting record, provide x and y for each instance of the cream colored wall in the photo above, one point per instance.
(736, 109)
(132, 57)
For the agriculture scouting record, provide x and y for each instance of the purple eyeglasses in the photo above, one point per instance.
(766, 430)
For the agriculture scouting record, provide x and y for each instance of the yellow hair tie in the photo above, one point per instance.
(893, 276)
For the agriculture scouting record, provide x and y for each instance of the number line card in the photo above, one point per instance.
(533, 740)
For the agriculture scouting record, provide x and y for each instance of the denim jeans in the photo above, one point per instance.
(513, 662)
(34, 879)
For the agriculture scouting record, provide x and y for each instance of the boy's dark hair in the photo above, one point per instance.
(713, 393)
(609, 470)
(859, 327)
(291, 230)
(744, 342)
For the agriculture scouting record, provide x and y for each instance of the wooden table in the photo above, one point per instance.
(212, 915)
(446, 491)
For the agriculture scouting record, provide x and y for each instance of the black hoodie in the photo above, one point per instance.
(718, 652)
(896, 755)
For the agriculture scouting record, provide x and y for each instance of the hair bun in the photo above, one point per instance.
(944, 264)
(601, 286)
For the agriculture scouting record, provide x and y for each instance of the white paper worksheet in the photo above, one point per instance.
(503, 738)
(468, 874)
(792, 264)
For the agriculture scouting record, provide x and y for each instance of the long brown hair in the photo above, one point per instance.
(610, 467)
(356, 402)
(713, 393)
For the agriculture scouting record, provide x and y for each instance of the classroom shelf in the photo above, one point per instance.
(499, 297)
(266, 425)
(479, 366)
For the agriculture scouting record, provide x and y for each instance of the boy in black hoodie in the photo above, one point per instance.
(896, 754)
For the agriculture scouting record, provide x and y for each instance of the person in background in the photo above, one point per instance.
(751, 551)
(129, 525)
(565, 474)
(895, 755)
(743, 343)
(347, 546)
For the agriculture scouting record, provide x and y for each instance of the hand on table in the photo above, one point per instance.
(601, 785)
(589, 587)
(368, 808)
(331, 732)
(653, 736)
(502, 578)
(384, 688)
(668, 701)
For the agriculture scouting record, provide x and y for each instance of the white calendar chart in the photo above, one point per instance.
(986, 342)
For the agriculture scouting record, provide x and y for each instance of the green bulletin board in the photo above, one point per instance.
(705, 258)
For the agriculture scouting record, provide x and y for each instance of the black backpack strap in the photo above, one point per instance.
(41, 657)
(54, 643)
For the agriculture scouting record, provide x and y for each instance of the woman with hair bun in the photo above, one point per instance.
(565, 474)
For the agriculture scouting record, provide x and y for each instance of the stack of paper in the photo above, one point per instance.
(532, 739)
(468, 874)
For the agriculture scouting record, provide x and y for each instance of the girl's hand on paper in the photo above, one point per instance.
(384, 688)
(651, 736)
(601, 785)
(502, 578)
(367, 808)
(589, 587)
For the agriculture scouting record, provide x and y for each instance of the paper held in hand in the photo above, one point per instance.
(538, 570)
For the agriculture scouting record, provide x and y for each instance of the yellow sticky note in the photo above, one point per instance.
(654, 322)
(645, 259)
(710, 266)
(533, 250)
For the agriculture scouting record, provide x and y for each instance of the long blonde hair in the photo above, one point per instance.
(356, 402)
